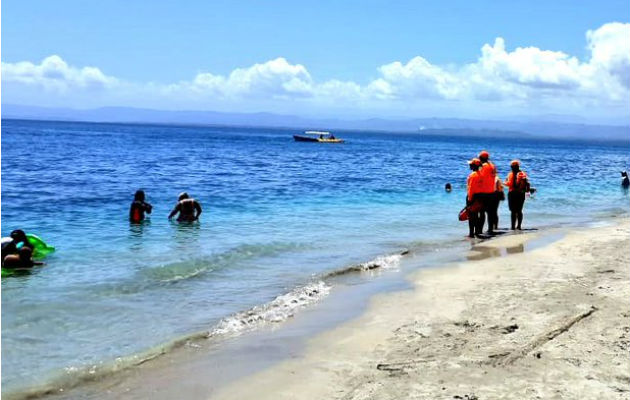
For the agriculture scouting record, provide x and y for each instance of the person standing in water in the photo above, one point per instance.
(489, 197)
(625, 181)
(473, 185)
(139, 207)
(518, 185)
(188, 208)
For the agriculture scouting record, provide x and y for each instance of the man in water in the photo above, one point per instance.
(188, 208)
(489, 197)
(139, 207)
(518, 185)
(448, 187)
(625, 181)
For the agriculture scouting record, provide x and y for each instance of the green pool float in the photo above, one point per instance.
(40, 248)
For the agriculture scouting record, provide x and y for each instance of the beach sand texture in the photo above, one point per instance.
(551, 323)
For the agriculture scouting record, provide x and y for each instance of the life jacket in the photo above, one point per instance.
(488, 175)
(518, 182)
(474, 184)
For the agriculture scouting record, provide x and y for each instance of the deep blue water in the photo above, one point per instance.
(277, 215)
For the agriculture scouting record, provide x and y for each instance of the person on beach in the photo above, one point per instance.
(138, 207)
(188, 208)
(16, 240)
(22, 260)
(448, 187)
(625, 181)
(473, 188)
(500, 195)
(518, 185)
(488, 195)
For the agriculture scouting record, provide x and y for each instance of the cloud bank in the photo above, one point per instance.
(525, 78)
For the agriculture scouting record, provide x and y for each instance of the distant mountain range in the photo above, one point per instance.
(530, 127)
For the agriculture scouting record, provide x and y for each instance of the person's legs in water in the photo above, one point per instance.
(472, 224)
(497, 202)
(515, 202)
(511, 205)
(481, 220)
(491, 211)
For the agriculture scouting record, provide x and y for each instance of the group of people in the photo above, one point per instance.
(188, 208)
(485, 193)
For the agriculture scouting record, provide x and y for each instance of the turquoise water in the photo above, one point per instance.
(278, 217)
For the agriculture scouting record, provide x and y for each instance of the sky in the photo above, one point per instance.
(473, 59)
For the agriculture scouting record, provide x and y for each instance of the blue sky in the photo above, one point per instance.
(153, 45)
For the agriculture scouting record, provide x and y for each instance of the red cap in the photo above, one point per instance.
(484, 154)
(475, 161)
(515, 163)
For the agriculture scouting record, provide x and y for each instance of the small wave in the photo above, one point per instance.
(384, 262)
(277, 310)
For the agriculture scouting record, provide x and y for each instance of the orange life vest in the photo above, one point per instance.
(519, 184)
(474, 184)
(488, 175)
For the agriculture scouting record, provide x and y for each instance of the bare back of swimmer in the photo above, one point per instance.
(188, 208)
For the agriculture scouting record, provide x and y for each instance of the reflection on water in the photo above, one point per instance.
(484, 252)
(185, 234)
(136, 231)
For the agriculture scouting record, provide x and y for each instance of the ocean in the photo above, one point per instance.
(280, 218)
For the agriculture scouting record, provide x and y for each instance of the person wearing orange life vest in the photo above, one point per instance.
(139, 207)
(473, 188)
(489, 198)
(518, 184)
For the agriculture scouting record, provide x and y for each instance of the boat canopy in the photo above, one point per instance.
(316, 133)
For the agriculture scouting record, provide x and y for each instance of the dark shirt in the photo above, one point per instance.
(137, 210)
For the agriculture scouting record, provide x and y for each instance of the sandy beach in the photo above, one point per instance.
(553, 322)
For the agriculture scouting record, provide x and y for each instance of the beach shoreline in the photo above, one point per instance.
(552, 322)
(407, 333)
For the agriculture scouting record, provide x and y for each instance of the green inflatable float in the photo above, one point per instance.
(40, 250)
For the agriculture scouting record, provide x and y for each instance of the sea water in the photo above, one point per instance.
(278, 218)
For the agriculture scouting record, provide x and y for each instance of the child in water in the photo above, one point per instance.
(139, 207)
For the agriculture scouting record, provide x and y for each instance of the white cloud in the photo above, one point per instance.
(275, 78)
(549, 80)
(53, 73)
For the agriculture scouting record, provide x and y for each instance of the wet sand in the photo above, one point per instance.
(552, 322)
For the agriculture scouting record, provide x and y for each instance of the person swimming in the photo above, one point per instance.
(625, 181)
(188, 208)
(12, 244)
(22, 260)
(448, 187)
(139, 207)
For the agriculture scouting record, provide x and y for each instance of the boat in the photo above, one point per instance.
(317, 136)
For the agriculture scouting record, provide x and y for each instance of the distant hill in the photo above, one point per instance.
(540, 128)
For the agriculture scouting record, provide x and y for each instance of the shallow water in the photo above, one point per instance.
(279, 216)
